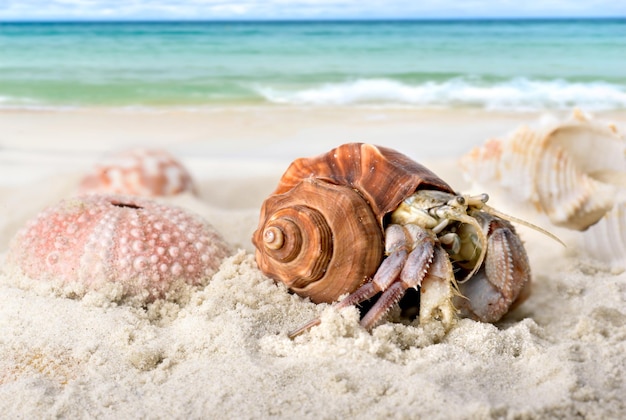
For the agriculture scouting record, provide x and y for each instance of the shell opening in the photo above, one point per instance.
(126, 205)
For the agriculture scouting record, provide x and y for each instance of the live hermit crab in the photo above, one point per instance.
(363, 220)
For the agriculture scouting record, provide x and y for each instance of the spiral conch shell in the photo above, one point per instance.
(573, 171)
(321, 232)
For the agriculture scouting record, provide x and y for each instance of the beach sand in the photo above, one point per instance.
(225, 353)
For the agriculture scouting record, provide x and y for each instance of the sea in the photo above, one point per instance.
(512, 65)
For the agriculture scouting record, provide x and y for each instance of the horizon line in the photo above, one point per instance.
(303, 20)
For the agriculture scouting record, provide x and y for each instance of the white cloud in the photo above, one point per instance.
(302, 9)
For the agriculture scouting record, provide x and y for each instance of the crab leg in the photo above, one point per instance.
(410, 268)
(414, 270)
(386, 274)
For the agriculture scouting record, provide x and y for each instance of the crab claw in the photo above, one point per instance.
(437, 292)
(503, 281)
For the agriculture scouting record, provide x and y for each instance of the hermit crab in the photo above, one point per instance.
(363, 221)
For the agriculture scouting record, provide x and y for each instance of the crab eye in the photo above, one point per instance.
(457, 201)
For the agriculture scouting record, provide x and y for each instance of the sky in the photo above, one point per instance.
(302, 9)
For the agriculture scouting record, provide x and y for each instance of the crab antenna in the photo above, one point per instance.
(514, 219)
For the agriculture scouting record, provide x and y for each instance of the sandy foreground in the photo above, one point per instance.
(226, 352)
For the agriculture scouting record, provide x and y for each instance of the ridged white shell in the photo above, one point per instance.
(603, 245)
(573, 171)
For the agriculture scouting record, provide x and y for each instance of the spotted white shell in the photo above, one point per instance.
(145, 172)
(573, 171)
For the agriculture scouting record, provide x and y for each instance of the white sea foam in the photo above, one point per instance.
(519, 94)
(15, 103)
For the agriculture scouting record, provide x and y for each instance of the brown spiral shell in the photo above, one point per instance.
(321, 231)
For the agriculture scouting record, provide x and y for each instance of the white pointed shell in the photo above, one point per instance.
(573, 171)
(603, 245)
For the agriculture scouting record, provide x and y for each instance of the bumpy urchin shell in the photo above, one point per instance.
(145, 172)
(573, 171)
(143, 249)
(321, 231)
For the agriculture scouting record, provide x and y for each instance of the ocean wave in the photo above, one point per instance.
(17, 102)
(519, 94)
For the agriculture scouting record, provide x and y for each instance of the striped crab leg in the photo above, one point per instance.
(411, 250)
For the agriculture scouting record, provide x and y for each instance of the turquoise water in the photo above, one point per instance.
(491, 64)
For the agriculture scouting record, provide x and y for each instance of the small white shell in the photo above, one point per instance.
(573, 171)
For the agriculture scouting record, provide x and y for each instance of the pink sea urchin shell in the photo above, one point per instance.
(145, 172)
(140, 248)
